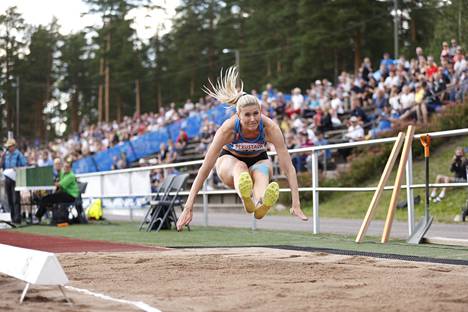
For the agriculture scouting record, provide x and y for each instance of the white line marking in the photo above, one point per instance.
(139, 304)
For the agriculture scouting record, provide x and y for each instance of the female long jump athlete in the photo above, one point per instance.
(239, 153)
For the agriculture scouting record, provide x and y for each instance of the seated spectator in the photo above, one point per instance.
(163, 152)
(301, 158)
(291, 143)
(384, 121)
(419, 106)
(394, 101)
(336, 103)
(44, 159)
(297, 100)
(67, 191)
(171, 152)
(357, 111)
(57, 169)
(391, 81)
(181, 141)
(156, 178)
(355, 130)
(431, 68)
(323, 121)
(324, 156)
(458, 168)
(380, 99)
(120, 162)
(406, 100)
(205, 139)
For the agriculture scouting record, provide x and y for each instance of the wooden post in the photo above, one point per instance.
(100, 89)
(380, 187)
(107, 78)
(137, 97)
(397, 185)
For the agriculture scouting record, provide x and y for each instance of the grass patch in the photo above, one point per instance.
(127, 232)
(353, 205)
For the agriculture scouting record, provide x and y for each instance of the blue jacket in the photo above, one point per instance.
(13, 160)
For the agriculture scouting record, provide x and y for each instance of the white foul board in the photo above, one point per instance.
(31, 266)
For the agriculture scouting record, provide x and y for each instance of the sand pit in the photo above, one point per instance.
(246, 279)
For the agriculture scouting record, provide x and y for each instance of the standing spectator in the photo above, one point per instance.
(453, 49)
(460, 63)
(386, 61)
(366, 69)
(420, 56)
(445, 53)
(11, 160)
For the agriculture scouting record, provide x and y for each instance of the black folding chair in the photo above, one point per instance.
(81, 218)
(165, 214)
(161, 194)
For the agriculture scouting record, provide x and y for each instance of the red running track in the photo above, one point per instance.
(58, 244)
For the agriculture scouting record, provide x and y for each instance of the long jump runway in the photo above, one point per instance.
(232, 279)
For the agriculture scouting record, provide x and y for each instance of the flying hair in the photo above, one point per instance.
(226, 91)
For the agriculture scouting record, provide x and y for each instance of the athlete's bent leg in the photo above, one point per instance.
(265, 194)
(235, 174)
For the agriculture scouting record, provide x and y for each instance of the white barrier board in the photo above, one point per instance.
(31, 266)
(5, 216)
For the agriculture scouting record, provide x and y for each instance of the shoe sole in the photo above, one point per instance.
(269, 199)
(245, 189)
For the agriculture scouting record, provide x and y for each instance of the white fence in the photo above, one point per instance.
(136, 182)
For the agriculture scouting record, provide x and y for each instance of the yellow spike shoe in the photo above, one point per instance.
(269, 199)
(245, 188)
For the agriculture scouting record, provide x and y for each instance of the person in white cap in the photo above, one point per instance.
(10, 160)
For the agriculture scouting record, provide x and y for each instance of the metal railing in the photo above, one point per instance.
(315, 189)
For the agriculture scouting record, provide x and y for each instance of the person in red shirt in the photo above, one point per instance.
(181, 141)
(431, 68)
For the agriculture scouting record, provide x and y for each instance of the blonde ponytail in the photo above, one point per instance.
(225, 90)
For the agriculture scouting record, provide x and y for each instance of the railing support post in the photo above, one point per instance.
(205, 203)
(409, 192)
(315, 193)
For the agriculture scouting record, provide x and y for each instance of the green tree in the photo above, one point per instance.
(11, 42)
(76, 78)
(39, 69)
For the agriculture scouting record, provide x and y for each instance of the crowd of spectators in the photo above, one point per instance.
(378, 98)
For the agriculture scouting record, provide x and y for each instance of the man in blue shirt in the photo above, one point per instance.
(10, 160)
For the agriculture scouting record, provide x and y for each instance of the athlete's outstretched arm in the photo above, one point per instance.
(222, 137)
(275, 136)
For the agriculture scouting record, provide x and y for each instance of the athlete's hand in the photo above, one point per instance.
(185, 218)
(297, 211)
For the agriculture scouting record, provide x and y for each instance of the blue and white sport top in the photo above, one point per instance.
(245, 146)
